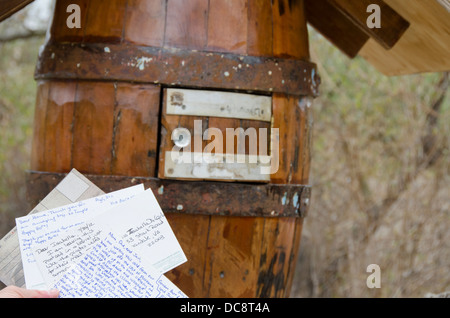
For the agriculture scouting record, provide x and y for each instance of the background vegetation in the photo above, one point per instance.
(380, 172)
(380, 176)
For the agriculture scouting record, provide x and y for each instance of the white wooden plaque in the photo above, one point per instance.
(191, 102)
(205, 166)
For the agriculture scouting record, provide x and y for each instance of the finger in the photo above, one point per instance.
(16, 292)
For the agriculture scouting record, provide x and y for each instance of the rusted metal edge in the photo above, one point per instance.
(205, 198)
(177, 67)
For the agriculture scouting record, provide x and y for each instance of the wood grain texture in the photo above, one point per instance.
(233, 252)
(424, 46)
(52, 139)
(227, 26)
(145, 22)
(260, 38)
(192, 233)
(59, 32)
(105, 21)
(221, 124)
(186, 24)
(282, 237)
(290, 119)
(210, 128)
(335, 26)
(135, 131)
(275, 254)
(290, 34)
(37, 148)
(58, 123)
(93, 127)
(293, 256)
(393, 25)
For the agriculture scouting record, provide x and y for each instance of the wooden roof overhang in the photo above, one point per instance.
(414, 36)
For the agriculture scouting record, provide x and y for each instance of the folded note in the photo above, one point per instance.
(41, 227)
(111, 269)
(139, 223)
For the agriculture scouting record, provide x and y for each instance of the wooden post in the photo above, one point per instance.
(102, 108)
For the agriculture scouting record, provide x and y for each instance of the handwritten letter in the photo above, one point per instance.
(138, 223)
(113, 270)
(141, 224)
(39, 228)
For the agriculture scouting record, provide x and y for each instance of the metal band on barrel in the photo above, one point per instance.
(177, 67)
(204, 198)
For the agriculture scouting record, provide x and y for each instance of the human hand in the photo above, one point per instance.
(17, 292)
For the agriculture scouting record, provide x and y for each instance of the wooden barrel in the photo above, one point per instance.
(104, 93)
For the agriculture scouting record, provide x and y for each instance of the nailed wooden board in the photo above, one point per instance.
(203, 166)
(334, 25)
(135, 131)
(424, 47)
(290, 35)
(218, 104)
(393, 24)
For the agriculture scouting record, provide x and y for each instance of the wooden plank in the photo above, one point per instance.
(275, 264)
(192, 233)
(93, 127)
(307, 141)
(216, 125)
(294, 255)
(218, 104)
(37, 148)
(135, 132)
(290, 34)
(105, 21)
(9, 7)
(393, 25)
(233, 257)
(260, 40)
(212, 164)
(335, 26)
(186, 24)
(145, 22)
(204, 161)
(58, 127)
(168, 124)
(204, 166)
(281, 239)
(59, 31)
(227, 26)
(251, 166)
(423, 48)
(289, 119)
(263, 133)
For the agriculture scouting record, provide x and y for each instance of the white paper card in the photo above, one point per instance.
(11, 269)
(146, 230)
(73, 186)
(40, 227)
(111, 270)
(139, 223)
